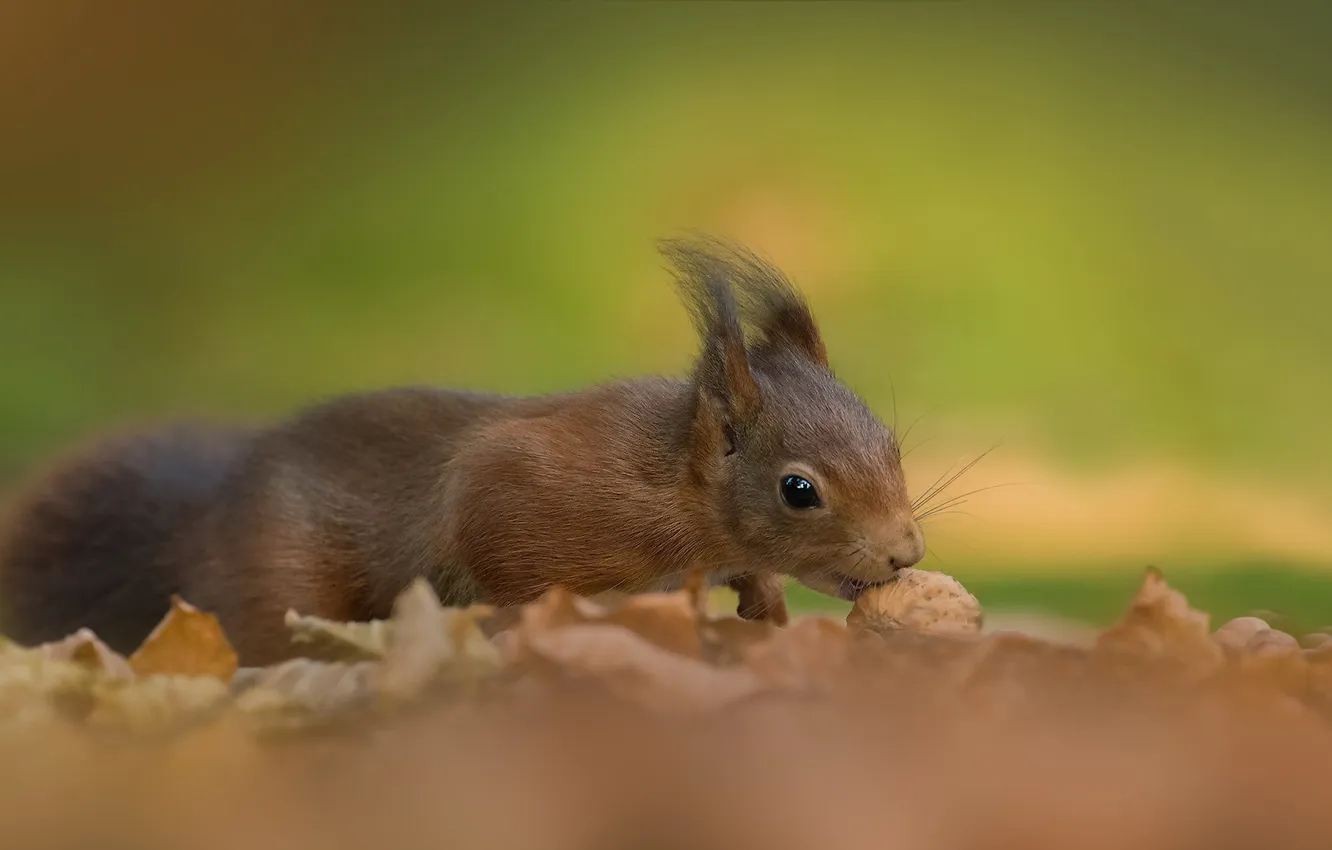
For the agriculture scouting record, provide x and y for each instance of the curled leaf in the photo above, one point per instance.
(419, 646)
(333, 641)
(301, 694)
(635, 669)
(1235, 635)
(434, 647)
(669, 620)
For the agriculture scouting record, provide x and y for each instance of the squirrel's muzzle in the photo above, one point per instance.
(894, 543)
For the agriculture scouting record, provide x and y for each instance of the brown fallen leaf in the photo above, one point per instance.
(188, 642)
(1235, 634)
(635, 669)
(1160, 625)
(1272, 642)
(559, 606)
(1318, 663)
(668, 619)
(1276, 667)
(726, 640)
(1316, 640)
(811, 653)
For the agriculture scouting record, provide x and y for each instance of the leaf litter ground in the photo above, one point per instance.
(649, 721)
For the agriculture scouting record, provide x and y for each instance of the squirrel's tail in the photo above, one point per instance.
(104, 539)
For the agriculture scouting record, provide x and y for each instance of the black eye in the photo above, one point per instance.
(799, 493)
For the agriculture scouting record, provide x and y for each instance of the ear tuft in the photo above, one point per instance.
(704, 281)
(771, 310)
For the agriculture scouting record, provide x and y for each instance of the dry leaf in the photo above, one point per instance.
(37, 689)
(472, 656)
(301, 694)
(419, 646)
(1235, 635)
(432, 646)
(1160, 624)
(635, 669)
(810, 653)
(1272, 642)
(559, 607)
(669, 620)
(725, 640)
(1316, 640)
(157, 704)
(84, 648)
(333, 641)
(188, 642)
(1318, 663)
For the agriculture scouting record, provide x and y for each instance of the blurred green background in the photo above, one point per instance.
(1096, 235)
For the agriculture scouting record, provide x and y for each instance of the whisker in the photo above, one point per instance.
(945, 513)
(893, 388)
(902, 454)
(959, 498)
(935, 491)
(929, 491)
(902, 438)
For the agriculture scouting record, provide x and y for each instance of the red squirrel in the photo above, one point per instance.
(760, 463)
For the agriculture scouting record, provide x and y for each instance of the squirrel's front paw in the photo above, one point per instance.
(762, 597)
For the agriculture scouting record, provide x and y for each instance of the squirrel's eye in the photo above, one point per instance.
(799, 493)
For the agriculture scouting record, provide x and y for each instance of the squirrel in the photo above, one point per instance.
(759, 464)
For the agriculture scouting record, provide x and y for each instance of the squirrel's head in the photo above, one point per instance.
(804, 477)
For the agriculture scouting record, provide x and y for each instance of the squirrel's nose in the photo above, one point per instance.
(899, 543)
(910, 548)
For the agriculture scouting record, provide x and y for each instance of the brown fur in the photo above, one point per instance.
(625, 486)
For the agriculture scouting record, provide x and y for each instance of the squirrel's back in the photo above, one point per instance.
(316, 513)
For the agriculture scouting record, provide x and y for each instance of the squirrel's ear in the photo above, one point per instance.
(772, 305)
(722, 373)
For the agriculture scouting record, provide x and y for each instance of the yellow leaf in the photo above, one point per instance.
(188, 642)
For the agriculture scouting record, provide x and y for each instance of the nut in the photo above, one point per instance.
(921, 600)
